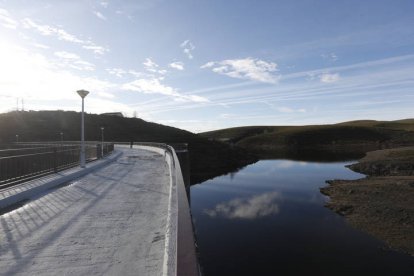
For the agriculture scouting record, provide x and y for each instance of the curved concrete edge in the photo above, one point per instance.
(187, 263)
(170, 252)
(27, 194)
(180, 251)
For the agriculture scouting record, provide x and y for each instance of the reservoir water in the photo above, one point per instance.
(269, 219)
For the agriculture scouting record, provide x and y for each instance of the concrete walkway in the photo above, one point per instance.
(110, 222)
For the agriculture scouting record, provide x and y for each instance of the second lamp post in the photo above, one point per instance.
(102, 144)
(83, 94)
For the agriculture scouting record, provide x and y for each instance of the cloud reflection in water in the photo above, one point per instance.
(247, 208)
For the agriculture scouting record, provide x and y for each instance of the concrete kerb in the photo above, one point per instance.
(170, 251)
(179, 259)
(49, 182)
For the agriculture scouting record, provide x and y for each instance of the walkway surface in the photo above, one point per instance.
(109, 222)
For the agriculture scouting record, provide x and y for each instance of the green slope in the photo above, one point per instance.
(348, 134)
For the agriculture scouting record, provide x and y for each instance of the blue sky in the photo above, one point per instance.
(204, 65)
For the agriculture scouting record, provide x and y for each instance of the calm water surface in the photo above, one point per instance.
(269, 219)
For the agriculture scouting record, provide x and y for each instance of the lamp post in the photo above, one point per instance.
(17, 138)
(61, 137)
(102, 144)
(82, 94)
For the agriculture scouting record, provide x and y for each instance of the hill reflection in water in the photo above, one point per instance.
(269, 218)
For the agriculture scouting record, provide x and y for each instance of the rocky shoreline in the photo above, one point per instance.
(381, 204)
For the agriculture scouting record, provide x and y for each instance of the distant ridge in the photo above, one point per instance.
(208, 158)
(369, 134)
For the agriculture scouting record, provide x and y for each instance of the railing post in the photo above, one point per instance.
(99, 151)
(55, 161)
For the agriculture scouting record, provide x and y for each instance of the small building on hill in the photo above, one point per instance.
(119, 114)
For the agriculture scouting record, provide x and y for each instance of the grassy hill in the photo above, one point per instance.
(364, 135)
(208, 158)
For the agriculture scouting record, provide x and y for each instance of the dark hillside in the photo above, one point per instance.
(208, 158)
(236, 134)
(345, 137)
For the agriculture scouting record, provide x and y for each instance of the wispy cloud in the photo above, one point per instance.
(119, 72)
(7, 21)
(153, 67)
(100, 50)
(61, 34)
(177, 65)
(188, 48)
(329, 78)
(247, 208)
(247, 68)
(47, 30)
(99, 15)
(154, 86)
(331, 57)
(389, 78)
(40, 45)
(36, 78)
(105, 95)
(227, 116)
(284, 109)
(74, 61)
(104, 4)
(359, 65)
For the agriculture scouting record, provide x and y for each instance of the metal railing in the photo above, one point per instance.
(24, 161)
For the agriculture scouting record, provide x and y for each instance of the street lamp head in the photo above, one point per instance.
(82, 93)
(102, 128)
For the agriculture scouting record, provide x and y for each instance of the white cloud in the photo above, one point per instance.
(41, 46)
(154, 86)
(356, 66)
(136, 73)
(149, 86)
(251, 208)
(227, 116)
(152, 67)
(331, 57)
(105, 95)
(99, 15)
(177, 65)
(35, 78)
(329, 78)
(67, 55)
(7, 21)
(74, 61)
(119, 72)
(47, 30)
(248, 68)
(61, 34)
(284, 109)
(104, 4)
(95, 48)
(188, 48)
